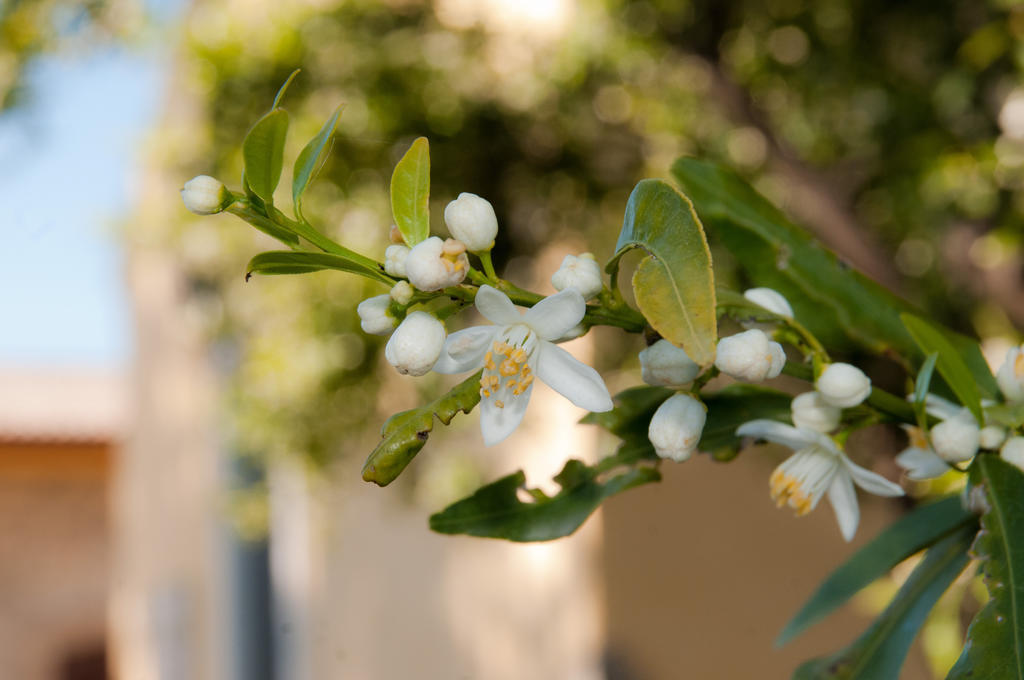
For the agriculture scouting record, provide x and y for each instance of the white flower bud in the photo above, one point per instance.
(676, 427)
(1013, 451)
(416, 344)
(435, 264)
(956, 439)
(401, 292)
(667, 365)
(1010, 375)
(770, 299)
(394, 260)
(992, 437)
(811, 412)
(581, 273)
(204, 195)
(471, 219)
(750, 356)
(843, 385)
(373, 315)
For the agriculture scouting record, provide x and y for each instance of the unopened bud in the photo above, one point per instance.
(843, 385)
(1010, 375)
(394, 260)
(581, 273)
(416, 344)
(205, 195)
(811, 412)
(750, 356)
(992, 437)
(1013, 451)
(676, 427)
(770, 299)
(471, 219)
(429, 266)
(666, 365)
(373, 315)
(956, 439)
(402, 292)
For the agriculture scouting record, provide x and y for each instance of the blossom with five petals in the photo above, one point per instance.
(517, 348)
(818, 467)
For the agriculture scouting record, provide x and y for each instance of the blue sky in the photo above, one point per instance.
(67, 162)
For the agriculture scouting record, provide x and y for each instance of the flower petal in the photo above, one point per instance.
(464, 350)
(872, 482)
(498, 423)
(572, 378)
(844, 503)
(496, 307)
(921, 463)
(552, 317)
(787, 435)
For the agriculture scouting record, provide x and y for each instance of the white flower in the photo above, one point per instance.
(580, 272)
(992, 437)
(204, 195)
(811, 412)
(918, 459)
(957, 439)
(750, 356)
(471, 219)
(843, 385)
(770, 299)
(415, 346)
(1013, 451)
(517, 348)
(1010, 375)
(373, 315)
(394, 260)
(676, 427)
(435, 264)
(817, 468)
(666, 365)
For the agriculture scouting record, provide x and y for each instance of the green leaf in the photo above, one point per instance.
(284, 88)
(913, 532)
(924, 379)
(263, 153)
(730, 407)
(405, 433)
(838, 305)
(995, 639)
(496, 511)
(674, 285)
(632, 413)
(880, 651)
(302, 262)
(951, 367)
(410, 193)
(311, 159)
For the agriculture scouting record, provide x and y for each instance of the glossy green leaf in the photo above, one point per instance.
(951, 367)
(312, 158)
(279, 97)
(410, 193)
(497, 511)
(674, 285)
(915, 531)
(263, 153)
(878, 654)
(924, 379)
(839, 305)
(302, 262)
(405, 433)
(995, 639)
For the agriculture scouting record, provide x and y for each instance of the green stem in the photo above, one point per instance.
(308, 232)
(485, 259)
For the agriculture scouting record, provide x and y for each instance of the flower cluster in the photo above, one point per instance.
(515, 351)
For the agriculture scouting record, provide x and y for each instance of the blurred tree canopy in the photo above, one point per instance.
(895, 131)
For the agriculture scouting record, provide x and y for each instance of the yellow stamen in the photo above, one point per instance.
(499, 403)
(508, 368)
(518, 356)
(489, 361)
